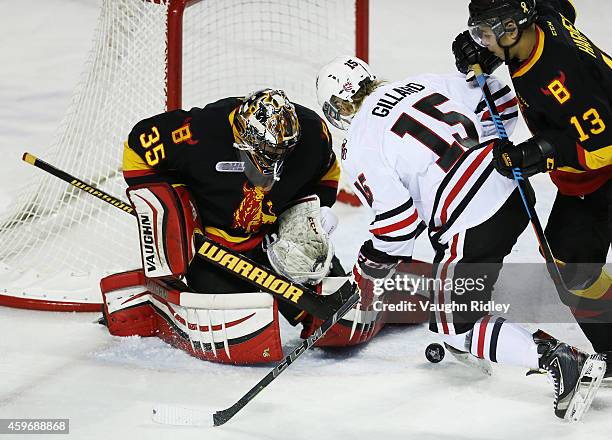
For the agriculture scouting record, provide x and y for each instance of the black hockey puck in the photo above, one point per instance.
(434, 353)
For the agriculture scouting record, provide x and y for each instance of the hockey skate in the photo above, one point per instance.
(607, 380)
(576, 375)
(607, 356)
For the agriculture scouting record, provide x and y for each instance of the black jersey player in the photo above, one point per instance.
(243, 162)
(238, 171)
(563, 83)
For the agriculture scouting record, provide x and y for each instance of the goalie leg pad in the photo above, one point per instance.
(126, 305)
(356, 327)
(233, 328)
(167, 221)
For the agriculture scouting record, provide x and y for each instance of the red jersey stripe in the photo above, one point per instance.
(453, 255)
(481, 335)
(463, 180)
(487, 115)
(395, 226)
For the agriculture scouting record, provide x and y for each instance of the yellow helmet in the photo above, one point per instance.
(266, 127)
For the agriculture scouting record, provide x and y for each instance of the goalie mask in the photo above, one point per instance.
(266, 129)
(337, 83)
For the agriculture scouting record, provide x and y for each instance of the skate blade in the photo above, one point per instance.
(594, 369)
(180, 416)
(471, 361)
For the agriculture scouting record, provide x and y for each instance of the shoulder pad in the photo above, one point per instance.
(563, 7)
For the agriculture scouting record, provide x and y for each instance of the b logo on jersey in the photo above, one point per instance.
(250, 215)
(558, 89)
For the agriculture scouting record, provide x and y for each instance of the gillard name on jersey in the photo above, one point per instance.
(412, 168)
(393, 97)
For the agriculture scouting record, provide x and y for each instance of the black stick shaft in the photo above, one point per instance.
(221, 417)
(83, 186)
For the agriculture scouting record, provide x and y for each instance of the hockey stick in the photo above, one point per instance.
(226, 259)
(566, 296)
(174, 415)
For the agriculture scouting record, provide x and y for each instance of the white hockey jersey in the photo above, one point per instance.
(414, 155)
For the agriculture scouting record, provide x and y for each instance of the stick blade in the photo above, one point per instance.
(181, 416)
(221, 417)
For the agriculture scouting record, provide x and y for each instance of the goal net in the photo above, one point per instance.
(149, 56)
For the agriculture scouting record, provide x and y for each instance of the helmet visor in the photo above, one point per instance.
(337, 112)
(490, 31)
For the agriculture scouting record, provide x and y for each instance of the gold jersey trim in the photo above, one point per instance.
(598, 289)
(333, 174)
(570, 170)
(221, 233)
(535, 54)
(598, 158)
(132, 161)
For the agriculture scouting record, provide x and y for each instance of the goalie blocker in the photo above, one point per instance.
(168, 224)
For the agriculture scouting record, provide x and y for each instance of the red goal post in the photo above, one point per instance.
(148, 56)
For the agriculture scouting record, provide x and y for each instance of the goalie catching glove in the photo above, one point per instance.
(301, 249)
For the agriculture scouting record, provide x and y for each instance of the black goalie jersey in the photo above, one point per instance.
(195, 148)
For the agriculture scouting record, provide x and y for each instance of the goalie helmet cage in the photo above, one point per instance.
(149, 56)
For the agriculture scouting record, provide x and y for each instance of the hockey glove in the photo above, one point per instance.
(532, 156)
(301, 250)
(467, 53)
(372, 268)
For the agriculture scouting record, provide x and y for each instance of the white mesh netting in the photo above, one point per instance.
(58, 241)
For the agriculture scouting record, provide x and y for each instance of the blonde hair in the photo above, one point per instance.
(365, 91)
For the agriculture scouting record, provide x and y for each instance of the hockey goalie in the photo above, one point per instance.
(257, 175)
